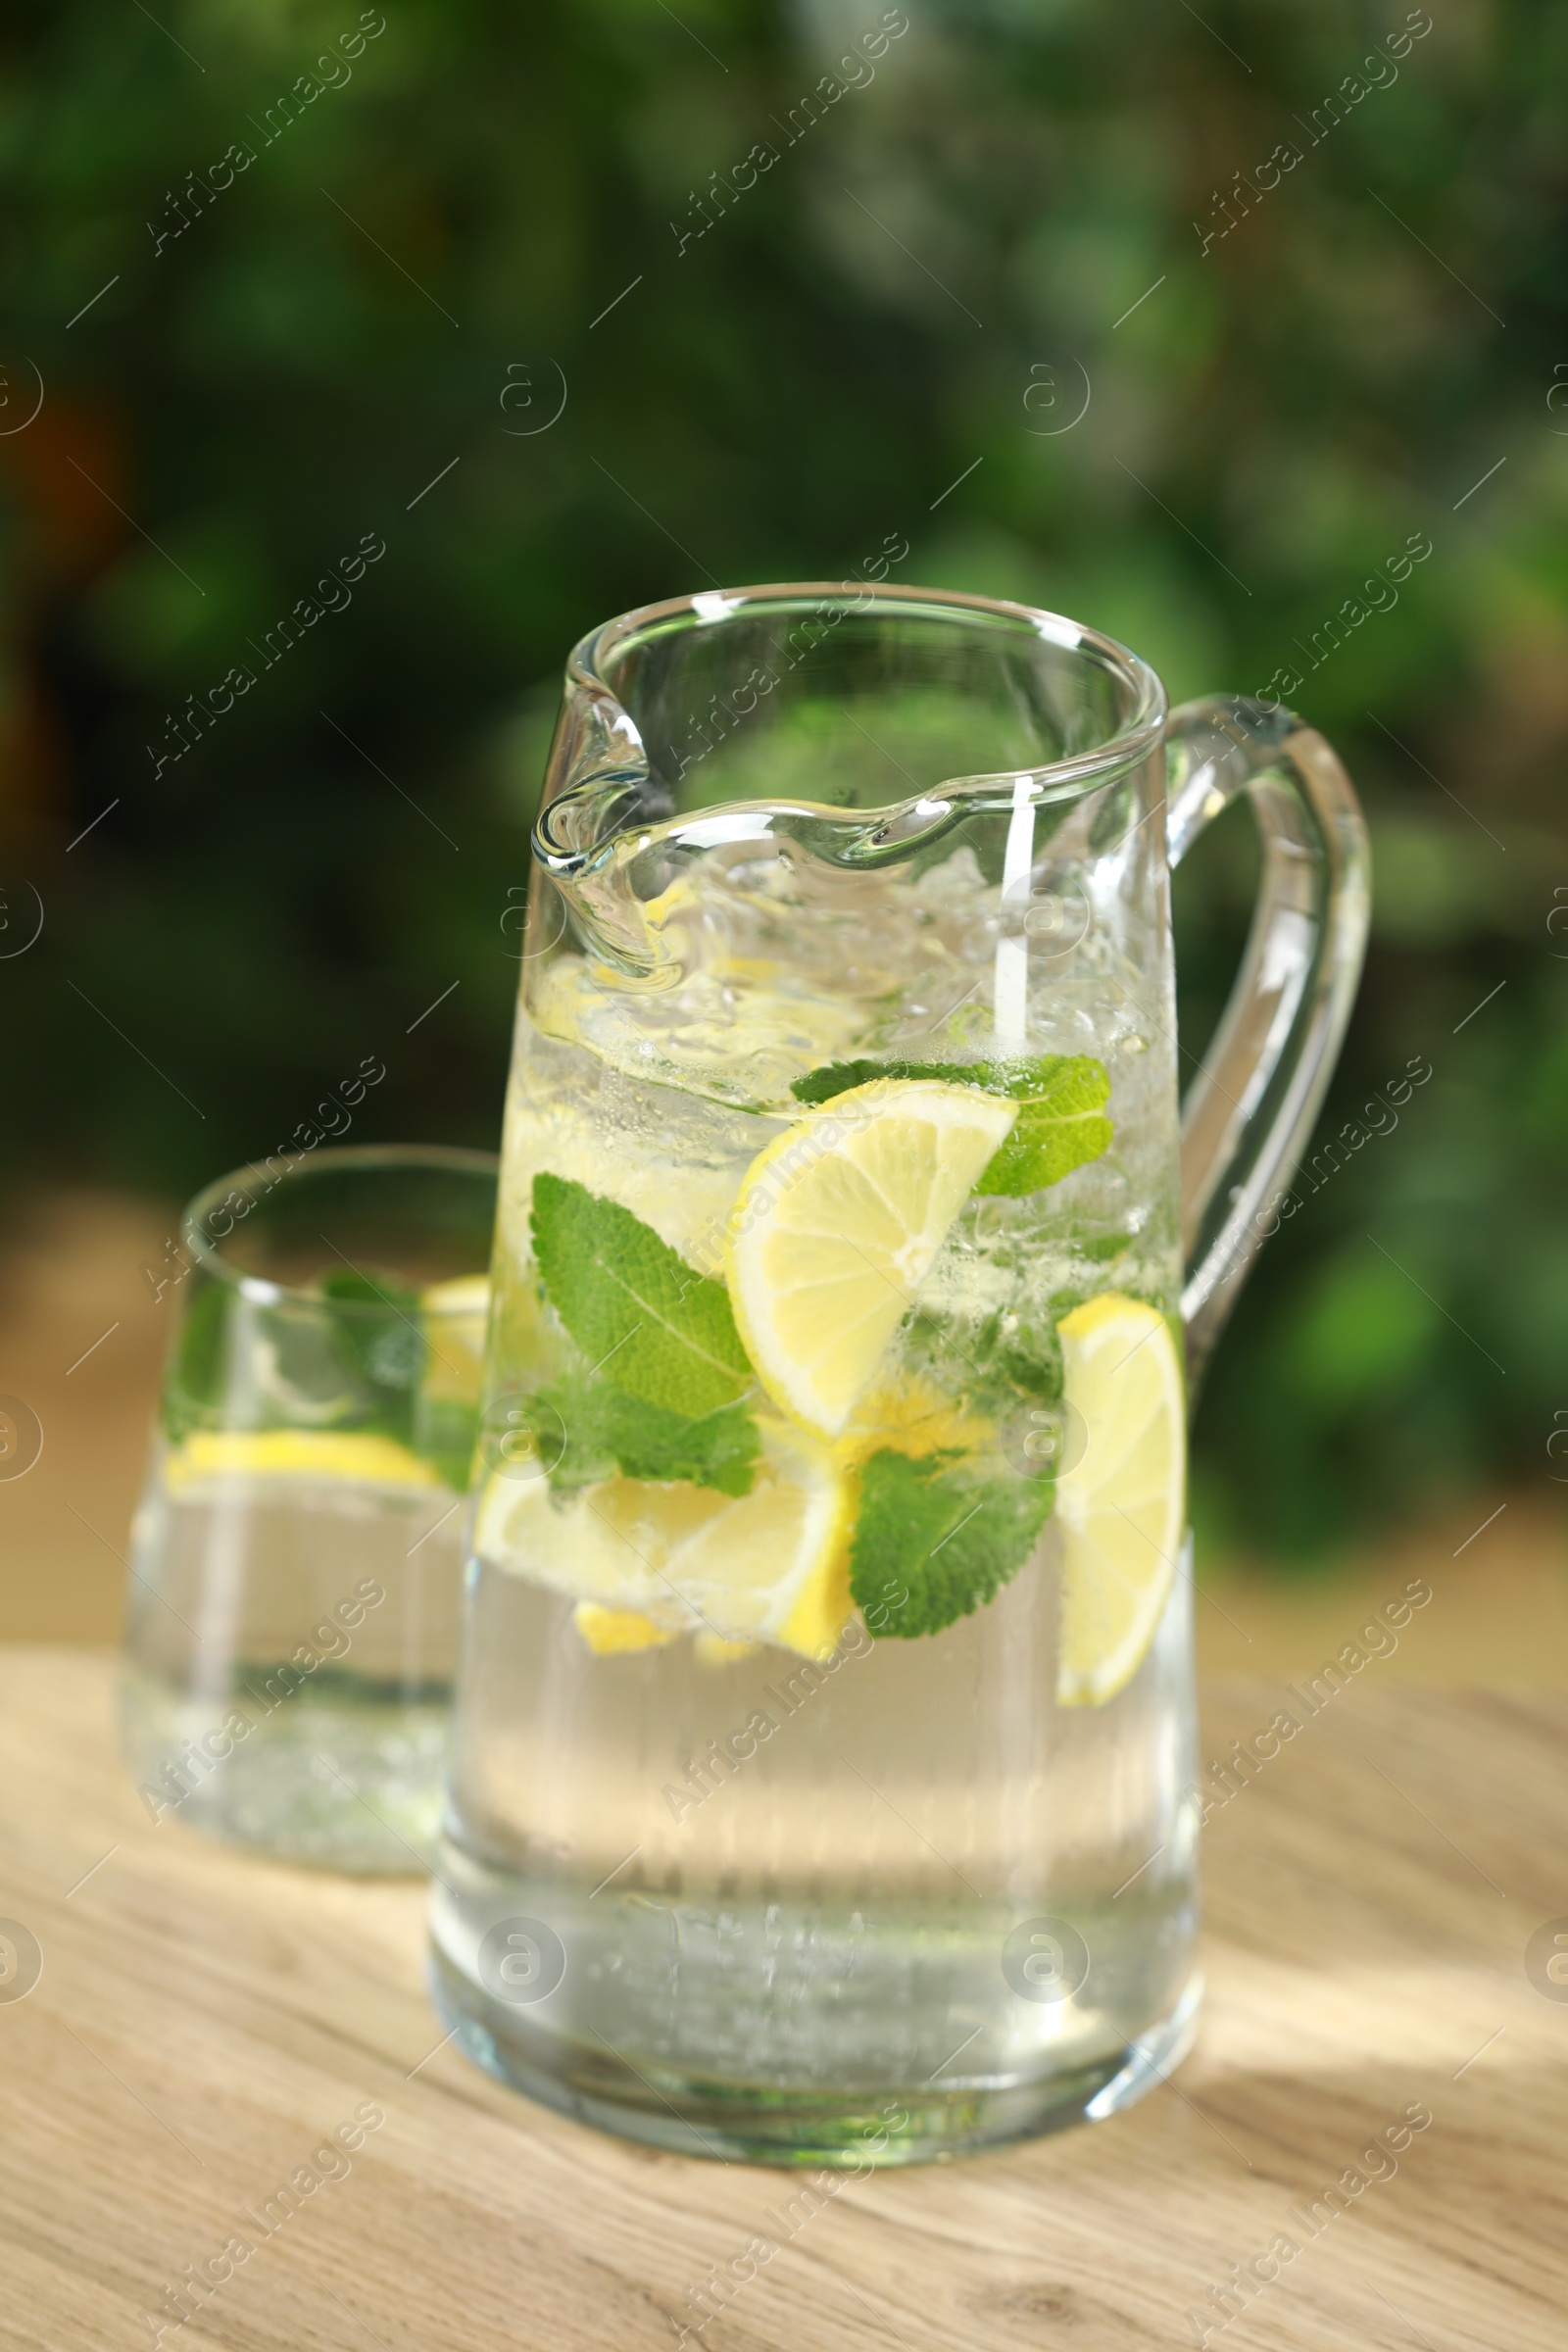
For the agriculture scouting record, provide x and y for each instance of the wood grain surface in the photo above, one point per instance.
(206, 2028)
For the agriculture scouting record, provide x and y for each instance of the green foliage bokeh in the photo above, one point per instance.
(1028, 201)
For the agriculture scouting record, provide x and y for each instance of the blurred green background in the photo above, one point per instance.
(455, 212)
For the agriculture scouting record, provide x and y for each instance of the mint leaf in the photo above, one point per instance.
(933, 1543)
(446, 1430)
(609, 1431)
(1027, 1356)
(641, 1315)
(1015, 1079)
(1060, 1125)
(837, 1077)
(719, 1450)
(353, 1357)
(197, 1380)
(385, 1343)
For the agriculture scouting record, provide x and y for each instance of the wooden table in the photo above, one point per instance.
(203, 2023)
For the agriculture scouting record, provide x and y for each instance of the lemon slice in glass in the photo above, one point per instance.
(835, 1228)
(769, 1566)
(456, 1314)
(1120, 1507)
(609, 1632)
(345, 1456)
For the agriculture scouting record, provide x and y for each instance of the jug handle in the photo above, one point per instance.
(1248, 1115)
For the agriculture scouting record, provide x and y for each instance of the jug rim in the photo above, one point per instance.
(586, 663)
(575, 823)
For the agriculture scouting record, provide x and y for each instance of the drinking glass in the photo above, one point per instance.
(822, 1780)
(297, 1557)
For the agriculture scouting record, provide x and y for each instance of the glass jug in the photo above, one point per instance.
(823, 1759)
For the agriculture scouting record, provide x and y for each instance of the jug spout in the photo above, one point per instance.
(793, 739)
(817, 730)
(598, 789)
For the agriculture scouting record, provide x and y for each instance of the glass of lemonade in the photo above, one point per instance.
(297, 1559)
(823, 1757)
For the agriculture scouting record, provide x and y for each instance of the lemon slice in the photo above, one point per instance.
(609, 1632)
(713, 1651)
(343, 1456)
(456, 1314)
(835, 1227)
(769, 1566)
(911, 1415)
(1120, 1508)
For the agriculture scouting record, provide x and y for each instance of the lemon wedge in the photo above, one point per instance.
(609, 1632)
(910, 1415)
(836, 1225)
(713, 1651)
(1120, 1508)
(769, 1566)
(455, 1314)
(343, 1456)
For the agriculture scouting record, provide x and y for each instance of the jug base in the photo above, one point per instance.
(744, 2124)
